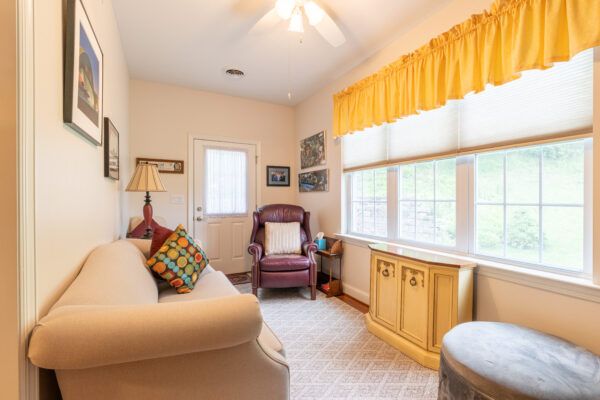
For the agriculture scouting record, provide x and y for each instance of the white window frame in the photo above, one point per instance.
(465, 213)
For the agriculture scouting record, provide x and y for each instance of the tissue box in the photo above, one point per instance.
(321, 243)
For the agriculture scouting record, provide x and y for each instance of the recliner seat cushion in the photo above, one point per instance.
(284, 262)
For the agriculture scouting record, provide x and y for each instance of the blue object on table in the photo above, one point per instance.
(322, 245)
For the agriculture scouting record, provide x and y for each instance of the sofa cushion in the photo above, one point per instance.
(113, 274)
(284, 262)
(210, 284)
(179, 261)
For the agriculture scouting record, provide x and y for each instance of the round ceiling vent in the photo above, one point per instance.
(234, 73)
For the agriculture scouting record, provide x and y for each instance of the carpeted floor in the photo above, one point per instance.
(333, 356)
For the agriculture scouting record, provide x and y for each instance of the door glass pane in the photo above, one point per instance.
(562, 230)
(226, 182)
(563, 173)
(490, 177)
(490, 230)
(523, 233)
(523, 176)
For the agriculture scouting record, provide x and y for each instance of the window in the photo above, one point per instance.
(530, 204)
(225, 183)
(369, 202)
(427, 208)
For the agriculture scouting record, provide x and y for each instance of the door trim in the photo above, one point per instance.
(27, 303)
(192, 170)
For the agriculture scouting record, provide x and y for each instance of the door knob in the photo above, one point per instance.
(198, 218)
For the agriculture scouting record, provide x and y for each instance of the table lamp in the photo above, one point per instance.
(146, 179)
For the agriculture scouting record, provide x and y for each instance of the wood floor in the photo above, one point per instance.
(359, 305)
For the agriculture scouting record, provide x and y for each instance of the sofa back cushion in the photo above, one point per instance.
(113, 274)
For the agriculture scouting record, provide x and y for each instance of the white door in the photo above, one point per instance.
(224, 199)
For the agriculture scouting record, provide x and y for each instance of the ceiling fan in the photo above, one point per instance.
(294, 11)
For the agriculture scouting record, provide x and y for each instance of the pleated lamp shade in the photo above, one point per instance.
(145, 179)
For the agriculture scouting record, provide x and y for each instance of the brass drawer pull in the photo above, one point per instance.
(385, 273)
(413, 281)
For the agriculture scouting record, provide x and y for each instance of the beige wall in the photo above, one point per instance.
(77, 208)
(497, 300)
(9, 340)
(163, 117)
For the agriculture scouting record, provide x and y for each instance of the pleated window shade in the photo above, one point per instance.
(557, 102)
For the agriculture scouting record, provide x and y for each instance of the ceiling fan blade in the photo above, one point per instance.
(330, 31)
(268, 21)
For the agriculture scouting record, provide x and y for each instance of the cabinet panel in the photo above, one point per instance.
(442, 307)
(413, 306)
(385, 274)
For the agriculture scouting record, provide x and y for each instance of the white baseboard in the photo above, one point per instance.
(358, 294)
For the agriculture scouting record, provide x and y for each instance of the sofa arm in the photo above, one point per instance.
(76, 337)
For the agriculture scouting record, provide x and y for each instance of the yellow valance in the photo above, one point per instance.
(492, 47)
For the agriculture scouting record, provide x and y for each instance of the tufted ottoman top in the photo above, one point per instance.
(505, 361)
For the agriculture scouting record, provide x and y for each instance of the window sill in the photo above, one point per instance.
(580, 288)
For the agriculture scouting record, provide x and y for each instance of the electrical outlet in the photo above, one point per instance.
(177, 199)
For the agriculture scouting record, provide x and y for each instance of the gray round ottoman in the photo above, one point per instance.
(492, 360)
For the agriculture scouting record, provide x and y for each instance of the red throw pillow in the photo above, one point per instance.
(159, 237)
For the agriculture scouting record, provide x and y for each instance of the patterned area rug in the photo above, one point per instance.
(333, 356)
(239, 278)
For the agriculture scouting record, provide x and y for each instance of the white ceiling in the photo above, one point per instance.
(190, 42)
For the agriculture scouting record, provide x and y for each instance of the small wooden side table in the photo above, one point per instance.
(327, 283)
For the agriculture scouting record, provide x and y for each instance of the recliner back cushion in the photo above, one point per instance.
(113, 274)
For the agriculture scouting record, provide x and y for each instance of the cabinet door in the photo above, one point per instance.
(442, 306)
(413, 306)
(385, 291)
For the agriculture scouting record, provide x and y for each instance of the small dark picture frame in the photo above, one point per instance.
(278, 176)
(111, 150)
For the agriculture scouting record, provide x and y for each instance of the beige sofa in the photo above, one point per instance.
(117, 334)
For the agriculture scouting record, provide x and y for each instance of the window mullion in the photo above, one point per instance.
(540, 211)
(504, 201)
(392, 202)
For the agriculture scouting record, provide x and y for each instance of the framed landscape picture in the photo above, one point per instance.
(278, 176)
(84, 76)
(164, 166)
(314, 181)
(111, 150)
(312, 151)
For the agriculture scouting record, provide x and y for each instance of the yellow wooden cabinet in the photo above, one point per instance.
(416, 297)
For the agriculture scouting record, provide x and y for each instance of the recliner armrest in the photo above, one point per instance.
(309, 249)
(76, 337)
(256, 250)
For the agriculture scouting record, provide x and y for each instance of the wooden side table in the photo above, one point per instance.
(327, 283)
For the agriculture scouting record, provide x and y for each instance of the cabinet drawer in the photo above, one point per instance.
(384, 277)
(413, 306)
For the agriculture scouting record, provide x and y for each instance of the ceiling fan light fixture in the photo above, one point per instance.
(296, 21)
(285, 8)
(314, 13)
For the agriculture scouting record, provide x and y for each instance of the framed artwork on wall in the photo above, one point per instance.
(84, 76)
(278, 176)
(111, 150)
(313, 151)
(164, 166)
(314, 181)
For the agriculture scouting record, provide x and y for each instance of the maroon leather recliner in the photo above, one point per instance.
(281, 271)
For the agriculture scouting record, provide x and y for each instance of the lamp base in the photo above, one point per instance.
(148, 217)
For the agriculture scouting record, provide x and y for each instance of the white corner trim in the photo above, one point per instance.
(575, 287)
(27, 303)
